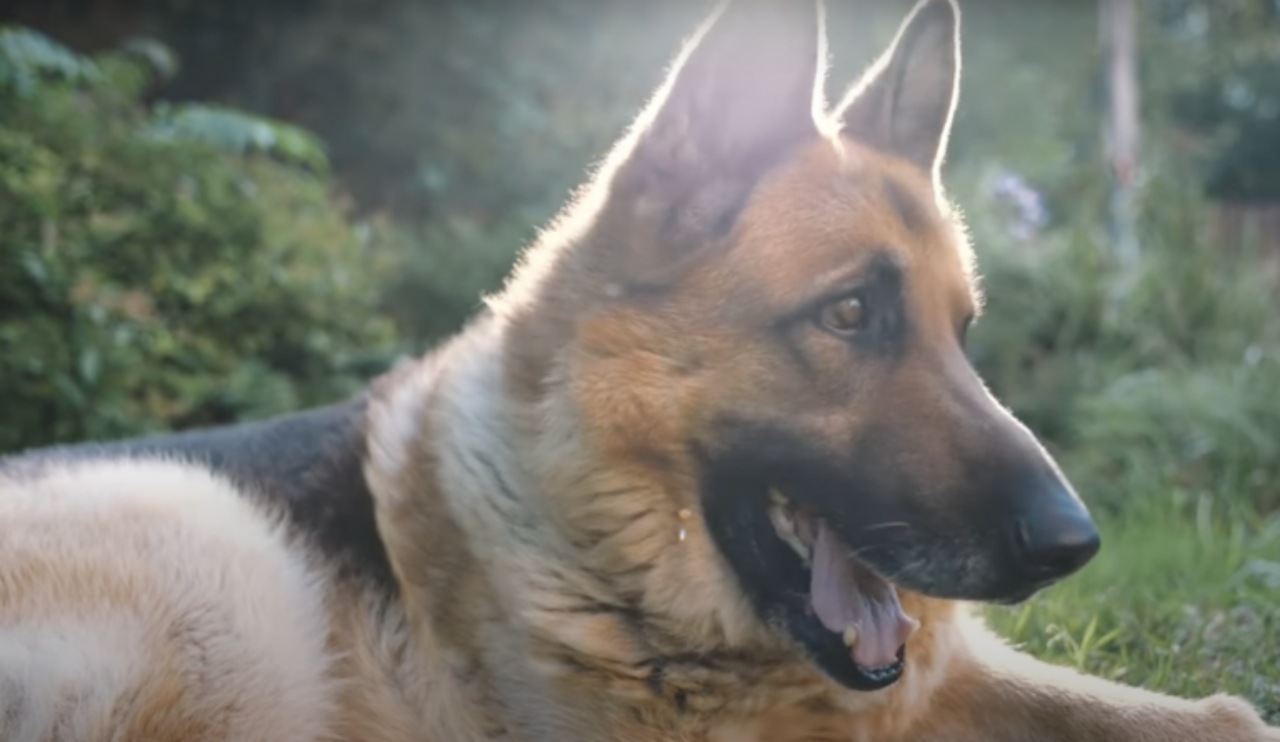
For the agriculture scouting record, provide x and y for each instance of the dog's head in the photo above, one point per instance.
(768, 306)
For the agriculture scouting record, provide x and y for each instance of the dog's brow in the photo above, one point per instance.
(870, 264)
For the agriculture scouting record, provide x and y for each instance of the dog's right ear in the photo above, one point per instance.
(905, 103)
(739, 98)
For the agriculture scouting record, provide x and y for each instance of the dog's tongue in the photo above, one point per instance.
(844, 594)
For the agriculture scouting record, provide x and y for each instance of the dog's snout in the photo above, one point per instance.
(1052, 545)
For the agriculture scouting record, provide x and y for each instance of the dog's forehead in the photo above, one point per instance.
(837, 206)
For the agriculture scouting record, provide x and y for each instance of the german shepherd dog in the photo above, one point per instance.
(712, 466)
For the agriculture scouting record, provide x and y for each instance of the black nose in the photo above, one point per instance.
(1051, 546)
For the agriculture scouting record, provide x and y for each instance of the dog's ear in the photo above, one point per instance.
(905, 102)
(738, 99)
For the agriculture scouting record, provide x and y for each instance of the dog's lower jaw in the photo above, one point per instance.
(802, 579)
(848, 598)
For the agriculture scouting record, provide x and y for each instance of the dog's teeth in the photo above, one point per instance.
(785, 526)
(850, 636)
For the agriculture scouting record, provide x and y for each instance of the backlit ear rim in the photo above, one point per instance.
(905, 103)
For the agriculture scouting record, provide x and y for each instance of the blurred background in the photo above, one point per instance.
(216, 211)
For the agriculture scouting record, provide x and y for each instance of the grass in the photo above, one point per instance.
(1154, 387)
(1184, 603)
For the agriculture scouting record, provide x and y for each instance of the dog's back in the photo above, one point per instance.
(144, 598)
(307, 465)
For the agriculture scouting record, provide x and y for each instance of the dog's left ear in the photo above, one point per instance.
(739, 99)
(905, 102)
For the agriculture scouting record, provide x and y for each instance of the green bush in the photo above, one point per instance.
(438, 272)
(1157, 381)
(154, 276)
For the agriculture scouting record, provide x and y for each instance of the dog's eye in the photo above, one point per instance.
(844, 316)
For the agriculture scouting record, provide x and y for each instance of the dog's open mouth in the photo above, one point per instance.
(846, 596)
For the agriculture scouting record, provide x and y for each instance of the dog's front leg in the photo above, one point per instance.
(995, 694)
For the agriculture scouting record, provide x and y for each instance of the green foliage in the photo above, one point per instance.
(438, 272)
(149, 281)
(1150, 382)
(27, 58)
(1216, 66)
(235, 131)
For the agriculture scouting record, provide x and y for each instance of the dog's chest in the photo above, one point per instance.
(788, 726)
(812, 720)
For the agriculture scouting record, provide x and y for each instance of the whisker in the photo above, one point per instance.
(890, 524)
(856, 553)
(907, 568)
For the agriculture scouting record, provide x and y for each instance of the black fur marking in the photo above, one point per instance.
(629, 613)
(882, 290)
(496, 475)
(654, 681)
(308, 464)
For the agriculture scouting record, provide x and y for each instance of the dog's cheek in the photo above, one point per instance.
(646, 417)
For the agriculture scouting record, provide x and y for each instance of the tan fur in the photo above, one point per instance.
(542, 517)
(149, 601)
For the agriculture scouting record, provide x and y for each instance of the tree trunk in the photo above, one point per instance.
(1118, 28)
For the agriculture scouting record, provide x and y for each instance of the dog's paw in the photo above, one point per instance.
(1234, 720)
